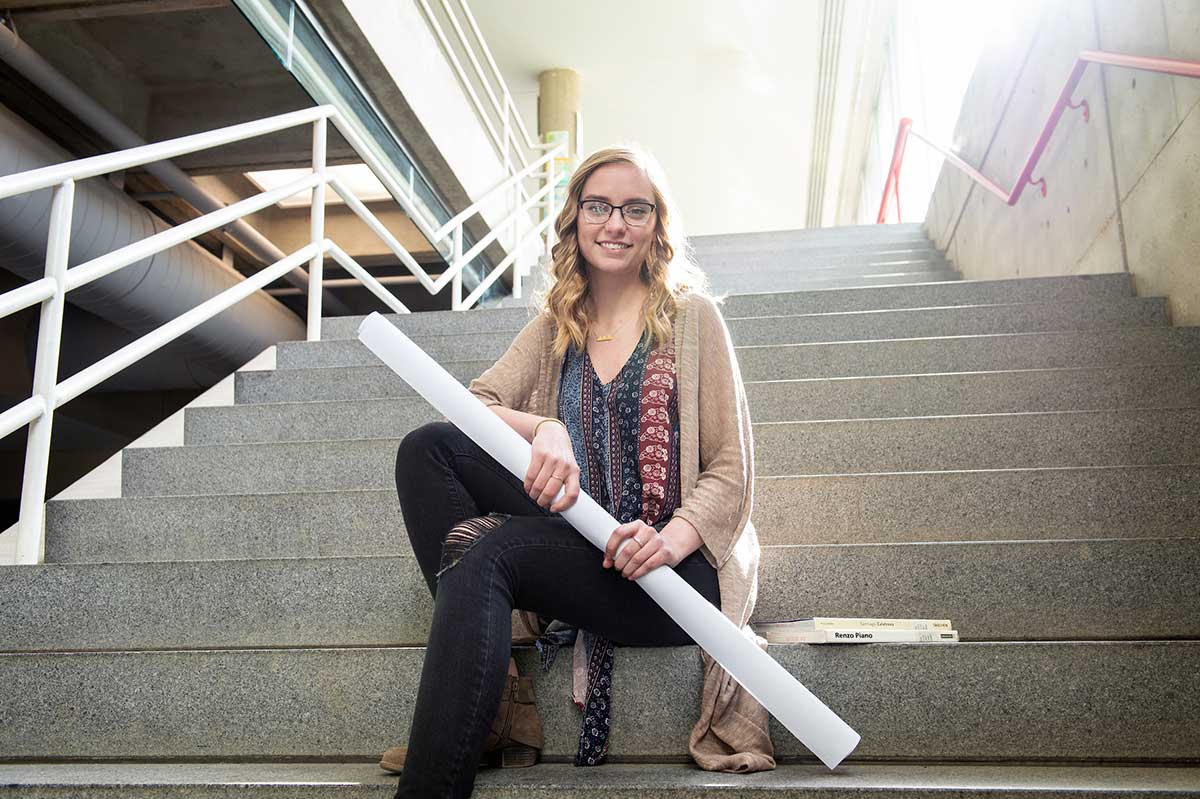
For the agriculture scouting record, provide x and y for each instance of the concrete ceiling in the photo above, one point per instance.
(181, 51)
(722, 92)
(171, 68)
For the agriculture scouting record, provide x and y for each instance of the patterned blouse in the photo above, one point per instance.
(625, 436)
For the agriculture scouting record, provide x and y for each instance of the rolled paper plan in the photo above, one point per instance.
(805, 716)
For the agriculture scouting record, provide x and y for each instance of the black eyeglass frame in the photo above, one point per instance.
(621, 208)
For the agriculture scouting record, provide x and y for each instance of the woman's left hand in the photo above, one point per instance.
(647, 550)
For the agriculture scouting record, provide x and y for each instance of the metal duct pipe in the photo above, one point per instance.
(31, 66)
(146, 294)
(87, 338)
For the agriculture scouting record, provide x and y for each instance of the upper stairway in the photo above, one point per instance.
(1018, 456)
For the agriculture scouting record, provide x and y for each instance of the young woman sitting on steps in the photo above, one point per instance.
(627, 387)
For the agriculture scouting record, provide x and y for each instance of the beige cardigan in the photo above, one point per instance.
(716, 482)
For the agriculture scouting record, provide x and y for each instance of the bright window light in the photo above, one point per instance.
(356, 177)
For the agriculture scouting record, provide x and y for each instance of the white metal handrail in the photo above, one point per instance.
(37, 411)
(487, 53)
(503, 106)
(152, 245)
(513, 136)
(463, 216)
(55, 174)
(455, 234)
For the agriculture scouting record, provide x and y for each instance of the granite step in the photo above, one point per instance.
(613, 781)
(309, 524)
(1001, 352)
(992, 591)
(978, 505)
(846, 359)
(432, 323)
(1089, 388)
(910, 323)
(1021, 504)
(1084, 438)
(813, 264)
(1059, 290)
(1123, 312)
(848, 236)
(770, 401)
(790, 240)
(1045, 701)
(832, 252)
(833, 246)
(994, 441)
(785, 281)
(307, 421)
(337, 383)
(984, 441)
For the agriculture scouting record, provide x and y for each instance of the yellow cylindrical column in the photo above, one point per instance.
(558, 120)
(558, 104)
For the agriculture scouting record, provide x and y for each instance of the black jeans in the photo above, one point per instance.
(534, 561)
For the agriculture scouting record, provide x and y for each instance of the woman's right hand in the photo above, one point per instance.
(551, 467)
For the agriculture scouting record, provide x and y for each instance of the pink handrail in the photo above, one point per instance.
(1169, 66)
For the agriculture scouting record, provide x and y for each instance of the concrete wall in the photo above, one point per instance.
(1121, 188)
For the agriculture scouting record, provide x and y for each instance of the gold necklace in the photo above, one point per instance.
(610, 336)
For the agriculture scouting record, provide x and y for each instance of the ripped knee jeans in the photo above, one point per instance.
(466, 534)
(484, 548)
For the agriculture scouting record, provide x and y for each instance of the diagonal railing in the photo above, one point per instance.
(50, 292)
(891, 188)
(501, 122)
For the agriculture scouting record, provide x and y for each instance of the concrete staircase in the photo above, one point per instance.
(229, 607)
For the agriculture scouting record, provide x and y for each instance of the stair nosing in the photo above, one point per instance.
(891, 419)
(737, 347)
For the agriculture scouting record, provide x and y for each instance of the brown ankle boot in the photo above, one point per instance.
(515, 739)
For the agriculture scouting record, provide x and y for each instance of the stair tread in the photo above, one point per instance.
(1053, 700)
(858, 356)
(1034, 289)
(962, 505)
(623, 779)
(1050, 589)
(931, 321)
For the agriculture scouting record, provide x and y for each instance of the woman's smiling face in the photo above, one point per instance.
(614, 246)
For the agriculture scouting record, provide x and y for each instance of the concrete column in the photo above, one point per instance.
(558, 102)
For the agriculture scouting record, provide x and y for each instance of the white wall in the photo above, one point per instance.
(930, 54)
(721, 92)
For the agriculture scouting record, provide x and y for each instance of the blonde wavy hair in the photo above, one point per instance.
(669, 270)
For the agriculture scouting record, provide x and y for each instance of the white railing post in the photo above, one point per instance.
(550, 208)
(508, 165)
(31, 530)
(518, 260)
(456, 281)
(523, 260)
(316, 265)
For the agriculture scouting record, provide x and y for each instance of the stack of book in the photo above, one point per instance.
(825, 630)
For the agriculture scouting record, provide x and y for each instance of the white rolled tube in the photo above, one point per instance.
(805, 716)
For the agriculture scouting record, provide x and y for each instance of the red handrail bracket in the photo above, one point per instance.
(1087, 110)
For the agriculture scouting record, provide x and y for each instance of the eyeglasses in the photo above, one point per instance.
(597, 212)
